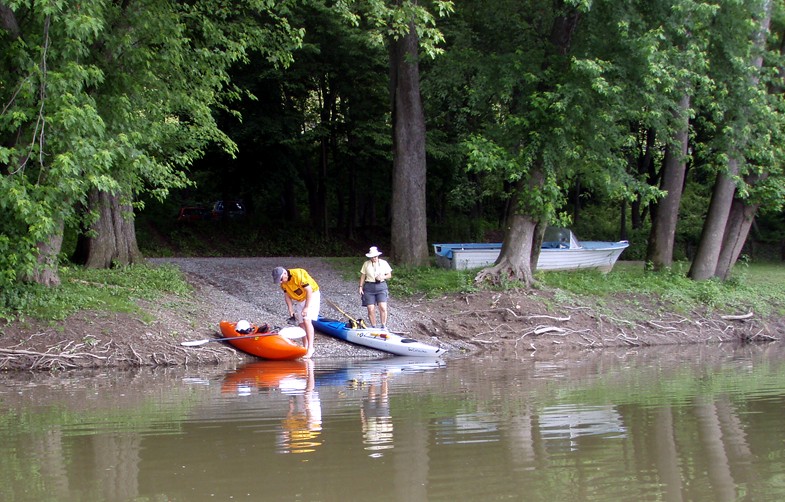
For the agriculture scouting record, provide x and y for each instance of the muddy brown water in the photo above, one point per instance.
(682, 423)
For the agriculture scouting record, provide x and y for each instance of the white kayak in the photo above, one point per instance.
(375, 338)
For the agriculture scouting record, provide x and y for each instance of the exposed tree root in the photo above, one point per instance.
(505, 273)
(507, 322)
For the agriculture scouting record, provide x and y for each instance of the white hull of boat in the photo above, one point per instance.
(591, 255)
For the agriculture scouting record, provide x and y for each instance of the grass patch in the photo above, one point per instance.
(114, 290)
(429, 281)
(756, 287)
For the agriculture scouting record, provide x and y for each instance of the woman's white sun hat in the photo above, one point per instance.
(373, 252)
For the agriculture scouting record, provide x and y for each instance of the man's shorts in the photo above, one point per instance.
(313, 307)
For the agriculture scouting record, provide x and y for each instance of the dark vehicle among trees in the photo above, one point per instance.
(228, 210)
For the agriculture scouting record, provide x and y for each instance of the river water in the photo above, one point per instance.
(680, 423)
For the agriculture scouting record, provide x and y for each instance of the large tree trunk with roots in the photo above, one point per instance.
(663, 229)
(523, 233)
(409, 234)
(111, 240)
(513, 263)
(516, 260)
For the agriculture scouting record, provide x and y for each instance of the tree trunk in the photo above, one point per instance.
(663, 229)
(514, 261)
(707, 256)
(738, 227)
(46, 273)
(112, 238)
(522, 239)
(539, 235)
(706, 261)
(645, 168)
(409, 233)
(576, 201)
(742, 214)
(736, 231)
(8, 22)
(319, 211)
(520, 247)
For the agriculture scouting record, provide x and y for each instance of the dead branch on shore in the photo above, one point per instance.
(738, 317)
(513, 313)
(759, 334)
(479, 340)
(541, 330)
(541, 316)
(611, 330)
(47, 360)
(79, 355)
(496, 330)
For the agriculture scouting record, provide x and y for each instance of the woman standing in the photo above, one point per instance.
(373, 286)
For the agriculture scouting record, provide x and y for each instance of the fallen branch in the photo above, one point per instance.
(504, 327)
(623, 321)
(760, 334)
(660, 326)
(513, 313)
(478, 340)
(737, 317)
(44, 354)
(548, 329)
(561, 319)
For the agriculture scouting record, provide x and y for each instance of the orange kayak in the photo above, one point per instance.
(266, 345)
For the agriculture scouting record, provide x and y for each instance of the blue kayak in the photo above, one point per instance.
(375, 338)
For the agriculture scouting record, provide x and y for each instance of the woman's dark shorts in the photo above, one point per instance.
(374, 292)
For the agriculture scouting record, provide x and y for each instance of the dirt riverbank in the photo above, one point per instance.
(514, 324)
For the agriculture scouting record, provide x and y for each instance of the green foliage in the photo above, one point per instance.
(626, 65)
(754, 288)
(116, 97)
(115, 290)
(133, 93)
(394, 20)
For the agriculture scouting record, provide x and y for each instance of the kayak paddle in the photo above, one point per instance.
(290, 332)
(358, 323)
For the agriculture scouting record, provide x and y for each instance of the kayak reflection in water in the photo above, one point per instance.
(301, 428)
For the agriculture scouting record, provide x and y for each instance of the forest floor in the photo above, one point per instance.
(510, 324)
